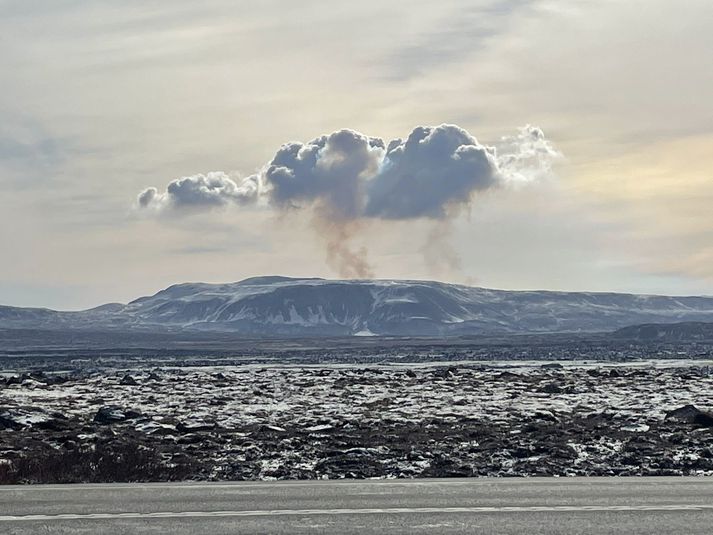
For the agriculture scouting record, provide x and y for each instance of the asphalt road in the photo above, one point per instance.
(489, 506)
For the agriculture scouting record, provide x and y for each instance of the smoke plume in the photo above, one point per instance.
(440, 256)
(341, 256)
(346, 178)
(328, 175)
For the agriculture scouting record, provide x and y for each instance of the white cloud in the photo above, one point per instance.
(347, 175)
(526, 156)
(200, 192)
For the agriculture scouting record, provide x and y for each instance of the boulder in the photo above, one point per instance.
(7, 421)
(127, 380)
(110, 414)
(445, 373)
(54, 423)
(690, 414)
(551, 388)
(194, 426)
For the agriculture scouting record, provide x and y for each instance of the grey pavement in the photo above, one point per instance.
(497, 506)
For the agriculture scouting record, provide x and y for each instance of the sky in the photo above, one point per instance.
(103, 100)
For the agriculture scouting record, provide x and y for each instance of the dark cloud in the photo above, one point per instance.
(329, 171)
(328, 174)
(433, 168)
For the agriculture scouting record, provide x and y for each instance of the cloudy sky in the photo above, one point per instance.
(103, 100)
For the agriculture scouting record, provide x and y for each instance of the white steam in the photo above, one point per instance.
(347, 178)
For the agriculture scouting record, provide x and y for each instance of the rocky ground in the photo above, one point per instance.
(265, 422)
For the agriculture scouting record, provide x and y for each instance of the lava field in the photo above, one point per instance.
(258, 422)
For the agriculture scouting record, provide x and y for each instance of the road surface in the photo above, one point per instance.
(489, 506)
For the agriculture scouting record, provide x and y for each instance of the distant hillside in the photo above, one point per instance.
(280, 306)
(688, 331)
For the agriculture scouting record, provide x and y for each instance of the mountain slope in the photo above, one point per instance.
(667, 332)
(303, 307)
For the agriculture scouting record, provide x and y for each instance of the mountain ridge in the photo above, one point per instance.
(276, 305)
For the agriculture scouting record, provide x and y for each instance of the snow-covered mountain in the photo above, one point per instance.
(303, 307)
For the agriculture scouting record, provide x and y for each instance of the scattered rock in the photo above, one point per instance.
(355, 422)
(445, 373)
(7, 421)
(190, 438)
(54, 423)
(110, 414)
(690, 414)
(38, 376)
(128, 380)
(56, 379)
(194, 426)
(546, 415)
(636, 428)
(550, 388)
(508, 376)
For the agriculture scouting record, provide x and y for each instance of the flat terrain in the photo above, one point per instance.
(495, 506)
(49, 350)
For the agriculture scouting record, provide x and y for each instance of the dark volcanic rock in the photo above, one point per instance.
(113, 413)
(7, 421)
(56, 423)
(690, 414)
(445, 373)
(551, 388)
(337, 422)
(127, 380)
(193, 427)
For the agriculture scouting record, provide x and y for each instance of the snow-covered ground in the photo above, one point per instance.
(261, 422)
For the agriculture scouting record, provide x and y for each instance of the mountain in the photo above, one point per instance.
(282, 306)
(691, 331)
